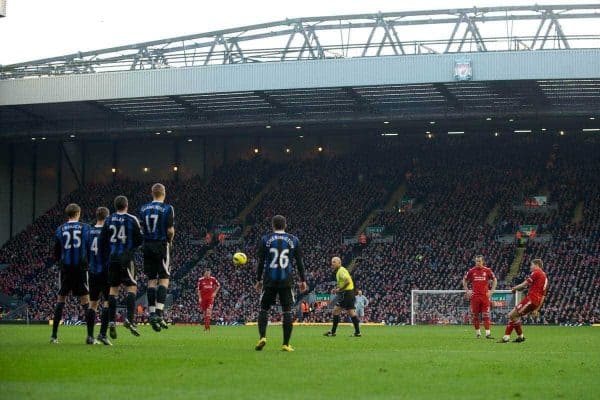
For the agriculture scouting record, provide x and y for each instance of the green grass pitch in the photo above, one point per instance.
(386, 363)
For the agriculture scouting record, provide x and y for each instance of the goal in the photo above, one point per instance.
(432, 307)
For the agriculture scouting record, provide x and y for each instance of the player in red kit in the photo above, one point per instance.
(479, 276)
(208, 287)
(537, 283)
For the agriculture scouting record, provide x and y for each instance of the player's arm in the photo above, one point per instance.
(261, 265)
(136, 233)
(199, 293)
(142, 221)
(57, 248)
(216, 289)
(366, 301)
(171, 224)
(494, 285)
(300, 267)
(520, 286)
(465, 284)
(104, 240)
(86, 239)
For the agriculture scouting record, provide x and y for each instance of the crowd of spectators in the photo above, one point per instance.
(199, 205)
(572, 257)
(464, 191)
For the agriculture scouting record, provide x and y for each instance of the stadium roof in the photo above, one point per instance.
(524, 28)
(345, 70)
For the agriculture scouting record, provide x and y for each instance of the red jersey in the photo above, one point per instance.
(479, 278)
(207, 286)
(538, 285)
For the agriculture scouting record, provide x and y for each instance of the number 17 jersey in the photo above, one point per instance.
(278, 255)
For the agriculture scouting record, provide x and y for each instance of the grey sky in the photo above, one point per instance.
(37, 29)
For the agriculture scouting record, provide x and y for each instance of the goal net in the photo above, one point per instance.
(433, 307)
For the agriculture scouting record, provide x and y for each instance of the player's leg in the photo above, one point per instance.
(206, 306)
(151, 262)
(337, 310)
(64, 288)
(266, 301)
(513, 315)
(114, 281)
(164, 274)
(161, 297)
(58, 312)
(348, 301)
(526, 307)
(355, 322)
(514, 320)
(129, 322)
(475, 310)
(286, 298)
(102, 338)
(104, 315)
(90, 318)
(485, 311)
(112, 310)
(208, 317)
(82, 290)
(94, 308)
(151, 294)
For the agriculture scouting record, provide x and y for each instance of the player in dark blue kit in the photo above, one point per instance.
(71, 253)
(121, 236)
(278, 253)
(157, 219)
(99, 275)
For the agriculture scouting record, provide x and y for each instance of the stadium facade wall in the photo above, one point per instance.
(4, 193)
(352, 72)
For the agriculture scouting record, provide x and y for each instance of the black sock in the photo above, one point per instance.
(263, 319)
(58, 311)
(90, 320)
(287, 327)
(130, 306)
(355, 323)
(161, 297)
(151, 293)
(104, 321)
(336, 321)
(112, 308)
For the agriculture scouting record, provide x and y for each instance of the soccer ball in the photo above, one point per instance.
(239, 259)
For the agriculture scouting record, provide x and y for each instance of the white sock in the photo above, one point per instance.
(521, 336)
(478, 331)
(488, 332)
(506, 338)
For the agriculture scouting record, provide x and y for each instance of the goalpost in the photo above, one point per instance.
(451, 306)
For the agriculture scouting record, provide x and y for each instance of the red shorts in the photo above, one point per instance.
(480, 304)
(206, 303)
(526, 306)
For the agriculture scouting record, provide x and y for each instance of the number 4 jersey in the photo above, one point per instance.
(71, 244)
(98, 258)
(278, 254)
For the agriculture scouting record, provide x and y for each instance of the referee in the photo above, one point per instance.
(345, 297)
